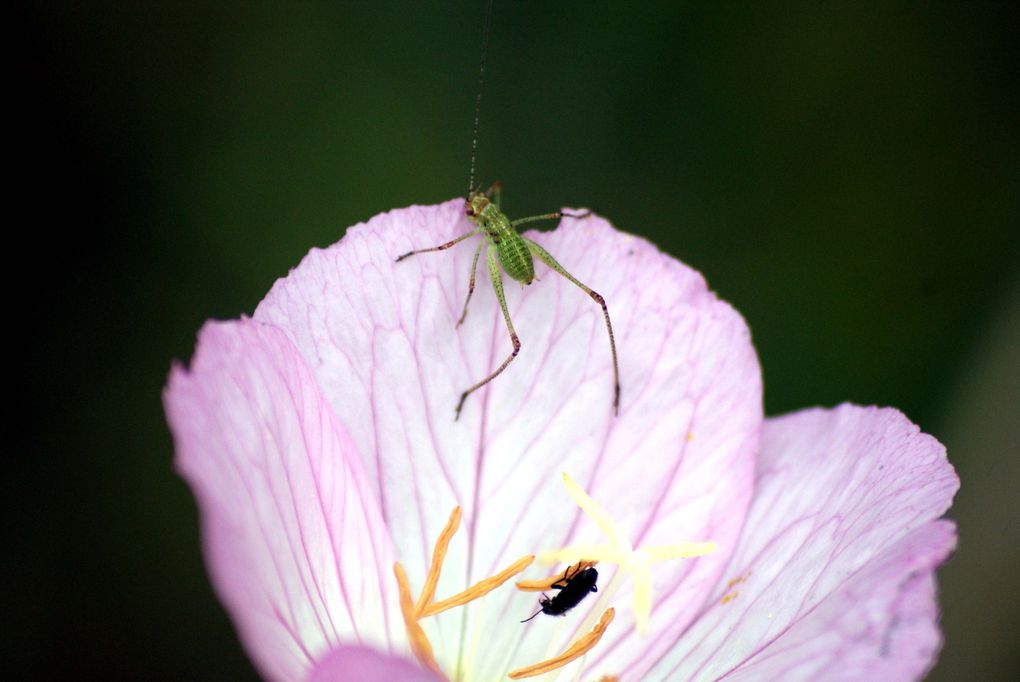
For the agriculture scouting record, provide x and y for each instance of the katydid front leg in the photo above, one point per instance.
(471, 282)
(441, 247)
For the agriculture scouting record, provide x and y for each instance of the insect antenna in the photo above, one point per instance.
(478, 99)
(532, 616)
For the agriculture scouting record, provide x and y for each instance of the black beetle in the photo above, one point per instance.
(572, 589)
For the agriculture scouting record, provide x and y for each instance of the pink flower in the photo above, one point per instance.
(320, 443)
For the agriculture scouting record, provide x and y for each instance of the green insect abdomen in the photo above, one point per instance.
(510, 248)
(515, 257)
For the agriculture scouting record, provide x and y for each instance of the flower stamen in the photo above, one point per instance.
(580, 647)
(420, 645)
(428, 592)
(480, 588)
(425, 606)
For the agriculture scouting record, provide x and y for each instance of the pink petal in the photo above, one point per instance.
(834, 571)
(362, 664)
(677, 464)
(294, 541)
(881, 624)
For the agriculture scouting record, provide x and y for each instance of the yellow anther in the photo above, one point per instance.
(425, 606)
(428, 592)
(547, 583)
(420, 645)
(579, 648)
(479, 589)
(635, 562)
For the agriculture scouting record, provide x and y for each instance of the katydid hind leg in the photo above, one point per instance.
(546, 258)
(497, 284)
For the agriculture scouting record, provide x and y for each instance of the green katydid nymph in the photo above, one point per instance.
(510, 252)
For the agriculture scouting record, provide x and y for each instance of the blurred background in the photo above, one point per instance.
(846, 174)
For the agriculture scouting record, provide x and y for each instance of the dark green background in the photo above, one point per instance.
(846, 174)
